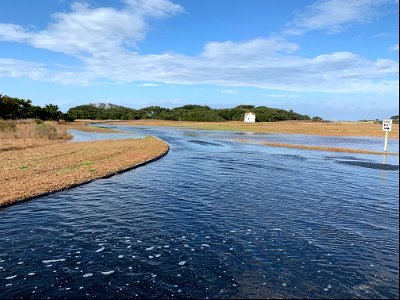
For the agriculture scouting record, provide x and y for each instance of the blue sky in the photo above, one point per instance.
(337, 59)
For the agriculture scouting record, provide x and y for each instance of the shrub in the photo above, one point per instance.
(7, 126)
(46, 131)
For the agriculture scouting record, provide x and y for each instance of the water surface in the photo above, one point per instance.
(214, 218)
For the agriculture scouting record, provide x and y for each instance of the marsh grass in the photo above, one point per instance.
(285, 127)
(25, 173)
(30, 133)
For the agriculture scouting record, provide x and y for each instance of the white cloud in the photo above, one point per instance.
(334, 72)
(96, 31)
(18, 68)
(102, 45)
(260, 47)
(13, 33)
(394, 48)
(148, 84)
(335, 15)
(229, 91)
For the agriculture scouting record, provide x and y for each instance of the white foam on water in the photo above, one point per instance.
(207, 237)
(8, 284)
(166, 246)
(87, 275)
(120, 256)
(150, 248)
(52, 260)
(11, 277)
(129, 247)
(181, 263)
(139, 241)
(20, 263)
(31, 274)
(157, 255)
(107, 272)
(205, 245)
(100, 249)
(150, 256)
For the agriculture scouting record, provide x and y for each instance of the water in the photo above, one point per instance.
(214, 218)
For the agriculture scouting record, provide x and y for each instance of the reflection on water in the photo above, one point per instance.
(213, 218)
(372, 165)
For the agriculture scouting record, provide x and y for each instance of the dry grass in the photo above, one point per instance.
(83, 126)
(288, 127)
(319, 148)
(25, 173)
(16, 135)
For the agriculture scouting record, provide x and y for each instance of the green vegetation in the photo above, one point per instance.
(15, 108)
(197, 113)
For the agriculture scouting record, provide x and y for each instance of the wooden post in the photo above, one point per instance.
(387, 126)
(386, 140)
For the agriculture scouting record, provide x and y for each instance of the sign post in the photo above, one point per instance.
(386, 126)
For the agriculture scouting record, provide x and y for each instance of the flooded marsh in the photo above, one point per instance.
(214, 218)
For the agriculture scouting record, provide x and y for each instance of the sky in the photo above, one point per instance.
(336, 59)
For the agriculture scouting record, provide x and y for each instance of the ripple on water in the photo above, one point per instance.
(237, 221)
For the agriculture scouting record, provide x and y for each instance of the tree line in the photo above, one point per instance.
(189, 112)
(16, 108)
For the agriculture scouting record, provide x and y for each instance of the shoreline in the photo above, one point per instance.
(318, 148)
(302, 128)
(345, 129)
(48, 169)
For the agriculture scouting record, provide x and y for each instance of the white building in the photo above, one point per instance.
(249, 117)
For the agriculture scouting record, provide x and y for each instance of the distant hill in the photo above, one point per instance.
(190, 112)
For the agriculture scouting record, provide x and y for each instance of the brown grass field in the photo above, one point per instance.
(356, 129)
(289, 127)
(83, 126)
(318, 148)
(45, 165)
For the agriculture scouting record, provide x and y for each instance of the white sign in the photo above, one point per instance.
(387, 125)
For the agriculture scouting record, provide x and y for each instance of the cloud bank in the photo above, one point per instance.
(109, 50)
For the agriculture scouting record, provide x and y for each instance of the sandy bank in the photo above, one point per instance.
(32, 172)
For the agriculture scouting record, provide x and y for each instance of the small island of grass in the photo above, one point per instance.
(36, 158)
